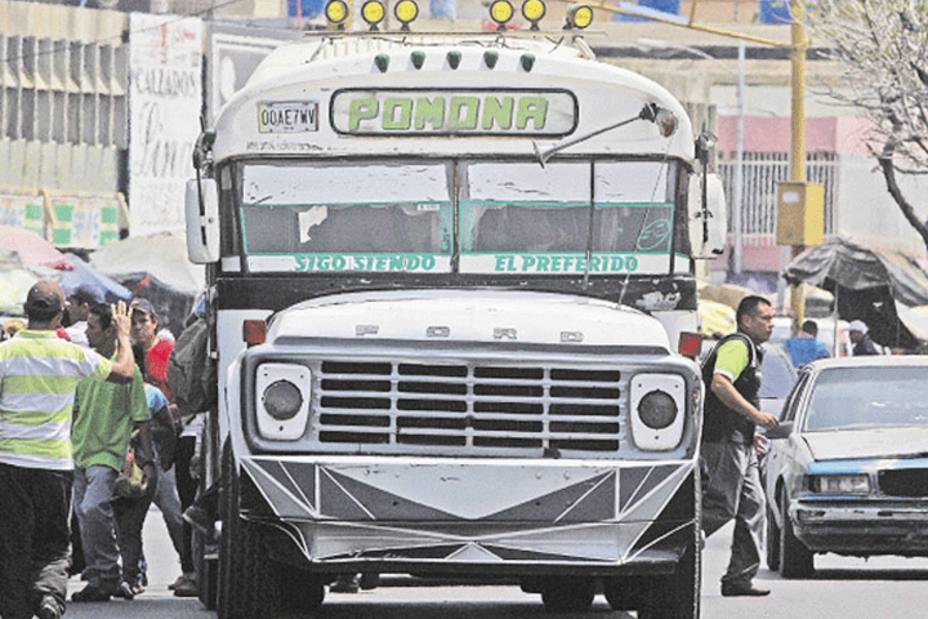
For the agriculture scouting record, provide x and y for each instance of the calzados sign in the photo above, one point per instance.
(543, 112)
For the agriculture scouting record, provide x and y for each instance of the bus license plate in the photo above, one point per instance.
(288, 117)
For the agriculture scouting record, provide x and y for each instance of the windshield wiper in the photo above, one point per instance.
(662, 117)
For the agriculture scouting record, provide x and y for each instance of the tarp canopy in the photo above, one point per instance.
(82, 273)
(31, 248)
(715, 319)
(867, 283)
(155, 267)
(163, 256)
(16, 278)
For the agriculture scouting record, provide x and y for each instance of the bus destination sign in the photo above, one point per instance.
(414, 113)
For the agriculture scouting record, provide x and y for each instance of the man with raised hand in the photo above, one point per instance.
(39, 373)
(105, 416)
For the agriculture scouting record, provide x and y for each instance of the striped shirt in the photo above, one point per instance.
(39, 373)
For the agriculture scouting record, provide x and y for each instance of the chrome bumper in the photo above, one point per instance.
(862, 529)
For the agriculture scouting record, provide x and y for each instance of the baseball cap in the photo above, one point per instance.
(858, 325)
(143, 305)
(44, 297)
(88, 293)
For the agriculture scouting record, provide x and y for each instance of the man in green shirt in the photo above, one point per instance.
(731, 482)
(38, 376)
(104, 418)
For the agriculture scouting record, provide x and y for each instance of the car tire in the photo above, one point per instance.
(773, 542)
(248, 585)
(677, 596)
(796, 561)
(568, 594)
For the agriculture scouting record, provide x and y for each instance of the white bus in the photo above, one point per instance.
(449, 275)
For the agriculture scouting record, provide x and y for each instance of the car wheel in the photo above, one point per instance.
(568, 594)
(796, 561)
(247, 575)
(773, 542)
(676, 596)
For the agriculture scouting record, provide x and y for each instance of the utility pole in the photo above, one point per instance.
(737, 211)
(797, 160)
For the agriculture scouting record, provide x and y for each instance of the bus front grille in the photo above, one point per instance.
(475, 405)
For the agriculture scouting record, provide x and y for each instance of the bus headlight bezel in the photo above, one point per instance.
(282, 420)
(652, 429)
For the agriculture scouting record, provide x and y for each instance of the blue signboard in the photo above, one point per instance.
(309, 8)
(671, 7)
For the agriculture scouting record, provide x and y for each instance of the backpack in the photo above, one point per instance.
(191, 371)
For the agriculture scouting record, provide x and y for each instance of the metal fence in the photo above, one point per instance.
(761, 173)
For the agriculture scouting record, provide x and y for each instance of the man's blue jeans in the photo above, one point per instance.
(93, 491)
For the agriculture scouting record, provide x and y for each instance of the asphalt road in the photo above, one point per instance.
(845, 588)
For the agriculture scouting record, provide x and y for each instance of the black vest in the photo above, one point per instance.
(720, 423)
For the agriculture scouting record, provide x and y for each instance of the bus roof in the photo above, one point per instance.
(406, 95)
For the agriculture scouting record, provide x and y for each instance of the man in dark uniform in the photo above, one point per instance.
(731, 484)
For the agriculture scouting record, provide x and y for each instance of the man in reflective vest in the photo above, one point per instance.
(731, 482)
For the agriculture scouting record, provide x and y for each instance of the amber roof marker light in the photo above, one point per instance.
(579, 16)
(405, 12)
(373, 12)
(533, 11)
(501, 12)
(336, 13)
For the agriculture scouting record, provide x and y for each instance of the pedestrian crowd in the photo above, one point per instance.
(89, 438)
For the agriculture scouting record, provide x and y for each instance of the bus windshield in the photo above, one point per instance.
(604, 217)
(520, 217)
(375, 217)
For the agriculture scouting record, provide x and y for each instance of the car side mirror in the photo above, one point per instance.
(201, 208)
(781, 431)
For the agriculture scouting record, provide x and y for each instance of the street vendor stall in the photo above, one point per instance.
(868, 284)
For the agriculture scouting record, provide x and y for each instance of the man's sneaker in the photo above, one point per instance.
(93, 593)
(125, 591)
(186, 586)
(49, 608)
(742, 589)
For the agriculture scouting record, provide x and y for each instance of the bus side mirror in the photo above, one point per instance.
(708, 216)
(201, 208)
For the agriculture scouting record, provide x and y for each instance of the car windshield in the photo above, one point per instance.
(868, 397)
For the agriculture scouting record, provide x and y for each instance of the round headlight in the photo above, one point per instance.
(657, 410)
(282, 400)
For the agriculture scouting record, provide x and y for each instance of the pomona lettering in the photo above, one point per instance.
(448, 114)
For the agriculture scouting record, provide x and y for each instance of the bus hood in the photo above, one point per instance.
(513, 317)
